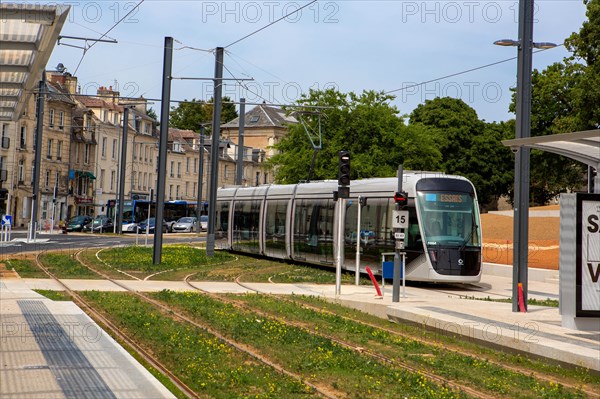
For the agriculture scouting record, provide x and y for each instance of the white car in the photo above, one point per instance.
(204, 222)
(185, 225)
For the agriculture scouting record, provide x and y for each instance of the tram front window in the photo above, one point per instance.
(449, 219)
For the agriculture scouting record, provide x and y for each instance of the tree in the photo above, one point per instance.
(189, 115)
(468, 146)
(365, 124)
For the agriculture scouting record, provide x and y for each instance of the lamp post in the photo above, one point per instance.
(525, 46)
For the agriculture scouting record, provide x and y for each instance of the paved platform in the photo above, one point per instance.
(53, 349)
(443, 308)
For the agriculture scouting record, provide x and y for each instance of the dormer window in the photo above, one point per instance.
(254, 119)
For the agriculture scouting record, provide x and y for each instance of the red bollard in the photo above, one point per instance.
(521, 299)
(368, 269)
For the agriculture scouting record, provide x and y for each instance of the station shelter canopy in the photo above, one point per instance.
(28, 33)
(581, 146)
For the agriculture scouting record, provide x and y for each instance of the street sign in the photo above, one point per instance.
(6, 220)
(400, 219)
(399, 244)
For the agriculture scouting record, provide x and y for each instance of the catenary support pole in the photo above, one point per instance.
(35, 198)
(523, 130)
(122, 164)
(162, 149)
(240, 153)
(200, 174)
(214, 159)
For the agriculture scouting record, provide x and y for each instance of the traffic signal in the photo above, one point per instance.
(344, 168)
(401, 199)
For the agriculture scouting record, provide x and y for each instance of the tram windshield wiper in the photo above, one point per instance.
(474, 228)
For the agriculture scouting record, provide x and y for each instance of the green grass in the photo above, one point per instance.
(66, 266)
(54, 295)
(26, 268)
(320, 360)
(204, 363)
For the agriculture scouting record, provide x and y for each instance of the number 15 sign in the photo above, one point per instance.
(400, 219)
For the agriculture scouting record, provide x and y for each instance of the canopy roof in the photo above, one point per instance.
(28, 33)
(582, 146)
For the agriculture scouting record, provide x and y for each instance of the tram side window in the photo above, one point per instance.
(222, 218)
(313, 229)
(245, 224)
(275, 227)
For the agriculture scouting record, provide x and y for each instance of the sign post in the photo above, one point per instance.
(6, 227)
(400, 219)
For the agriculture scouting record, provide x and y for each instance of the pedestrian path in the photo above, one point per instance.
(53, 349)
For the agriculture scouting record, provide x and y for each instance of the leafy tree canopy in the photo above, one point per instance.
(189, 115)
(365, 124)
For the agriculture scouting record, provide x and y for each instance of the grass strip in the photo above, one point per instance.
(318, 359)
(26, 268)
(204, 363)
(66, 266)
(464, 369)
(54, 295)
(573, 375)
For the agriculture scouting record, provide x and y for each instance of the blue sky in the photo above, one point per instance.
(352, 45)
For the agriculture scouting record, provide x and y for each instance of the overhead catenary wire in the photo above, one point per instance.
(270, 24)
(104, 34)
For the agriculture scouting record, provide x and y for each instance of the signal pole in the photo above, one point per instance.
(341, 195)
(399, 223)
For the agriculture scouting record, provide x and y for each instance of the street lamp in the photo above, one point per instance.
(516, 43)
(525, 46)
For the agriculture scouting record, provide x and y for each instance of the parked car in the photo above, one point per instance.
(101, 224)
(204, 222)
(78, 223)
(186, 225)
(151, 225)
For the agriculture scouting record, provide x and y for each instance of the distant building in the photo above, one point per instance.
(264, 126)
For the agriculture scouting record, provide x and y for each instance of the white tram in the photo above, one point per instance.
(298, 222)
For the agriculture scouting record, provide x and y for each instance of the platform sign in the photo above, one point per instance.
(400, 219)
(6, 220)
(588, 256)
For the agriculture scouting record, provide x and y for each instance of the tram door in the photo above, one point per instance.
(313, 231)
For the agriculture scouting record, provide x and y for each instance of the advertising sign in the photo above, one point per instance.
(588, 256)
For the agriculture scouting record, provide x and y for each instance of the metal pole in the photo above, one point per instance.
(397, 265)
(200, 172)
(162, 149)
(214, 168)
(523, 130)
(240, 154)
(122, 163)
(357, 271)
(339, 257)
(38, 156)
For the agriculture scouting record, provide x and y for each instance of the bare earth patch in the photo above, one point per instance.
(497, 232)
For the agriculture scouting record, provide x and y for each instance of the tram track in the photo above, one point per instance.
(525, 372)
(323, 392)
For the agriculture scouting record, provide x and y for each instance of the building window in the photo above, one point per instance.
(76, 145)
(133, 176)
(170, 191)
(112, 180)
(47, 181)
(177, 191)
(61, 120)
(56, 180)
(179, 169)
(226, 171)
(104, 147)
(102, 173)
(59, 150)
(146, 154)
(172, 168)
(187, 165)
(23, 138)
(114, 149)
(51, 118)
(21, 171)
(86, 154)
(5, 139)
(49, 150)
(187, 188)
(195, 165)
(32, 171)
